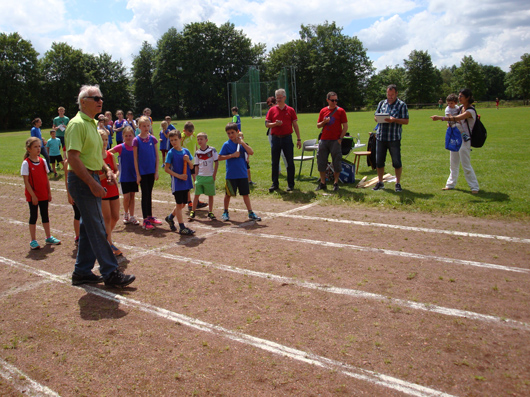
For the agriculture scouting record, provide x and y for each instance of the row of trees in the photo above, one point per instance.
(187, 73)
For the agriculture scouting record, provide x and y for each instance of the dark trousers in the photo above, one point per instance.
(146, 185)
(285, 144)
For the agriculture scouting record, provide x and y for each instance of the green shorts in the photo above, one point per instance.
(204, 185)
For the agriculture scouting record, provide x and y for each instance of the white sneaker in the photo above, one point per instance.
(133, 220)
(126, 219)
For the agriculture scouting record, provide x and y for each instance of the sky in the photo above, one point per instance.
(493, 32)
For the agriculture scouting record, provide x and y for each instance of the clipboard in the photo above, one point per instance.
(380, 117)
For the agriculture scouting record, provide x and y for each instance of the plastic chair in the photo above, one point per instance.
(307, 146)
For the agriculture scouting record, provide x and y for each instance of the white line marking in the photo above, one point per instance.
(302, 208)
(23, 288)
(263, 344)
(23, 383)
(287, 214)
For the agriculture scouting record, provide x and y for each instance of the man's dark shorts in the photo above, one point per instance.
(394, 147)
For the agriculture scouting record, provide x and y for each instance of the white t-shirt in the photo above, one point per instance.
(24, 170)
(205, 159)
(452, 112)
(470, 121)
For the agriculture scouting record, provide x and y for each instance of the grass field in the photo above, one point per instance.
(501, 165)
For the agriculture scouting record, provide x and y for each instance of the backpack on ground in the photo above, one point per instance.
(479, 133)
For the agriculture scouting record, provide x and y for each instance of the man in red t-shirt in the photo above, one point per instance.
(281, 119)
(334, 123)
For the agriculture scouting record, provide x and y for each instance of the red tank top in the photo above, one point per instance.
(112, 190)
(38, 180)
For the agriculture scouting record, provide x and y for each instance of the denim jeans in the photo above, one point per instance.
(93, 236)
(285, 144)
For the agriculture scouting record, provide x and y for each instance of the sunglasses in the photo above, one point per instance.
(96, 98)
(333, 100)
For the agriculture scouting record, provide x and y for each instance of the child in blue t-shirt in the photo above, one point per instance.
(54, 150)
(164, 140)
(236, 118)
(179, 165)
(233, 151)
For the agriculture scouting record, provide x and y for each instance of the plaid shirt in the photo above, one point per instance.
(391, 131)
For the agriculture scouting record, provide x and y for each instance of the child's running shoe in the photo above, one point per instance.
(211, 216)
(147, 225)
(115, 250)
(133, 220)
(225, 216)
(253, 217)
(34, 245)
(154, 221)
(76, 241)
(190, 205)
(201, 204)
(186, 231)
(171, 223)
(192, 214)
(126, 218)
(53, 241)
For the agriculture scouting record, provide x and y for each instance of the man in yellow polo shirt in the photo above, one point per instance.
(84, 148)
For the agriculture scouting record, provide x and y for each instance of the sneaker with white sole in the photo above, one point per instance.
(133, 220)
(211, 216)
(253, 217)
(34, 245)
(126, 218)
(398, 187)
(154, 221)
(53, 241)
(225, 216)
(186, 231)
(147, 225)
(379, 186)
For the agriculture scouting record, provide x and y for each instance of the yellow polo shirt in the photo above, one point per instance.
(82, 135)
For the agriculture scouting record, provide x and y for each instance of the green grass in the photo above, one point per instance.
(502, 165)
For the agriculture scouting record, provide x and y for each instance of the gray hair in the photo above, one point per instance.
(84, 92)
(280, 91)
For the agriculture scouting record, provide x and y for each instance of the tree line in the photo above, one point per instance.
(187, 73)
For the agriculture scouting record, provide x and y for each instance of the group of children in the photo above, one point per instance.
(186, 157)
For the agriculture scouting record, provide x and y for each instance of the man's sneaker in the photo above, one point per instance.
(133, 220)
(211, 216)
(398, 187)
(118, 279)
(76, 241)
(192, 214)
(115, 250)
(379, 186)
(225, 216)
(202, 205)
(171, 224)
(289, 189)
(335, 187)
(53, 241)
(86, 279)
(253, 217)
(321, 186)
(154, 221)
(126, 218)
(147, 225)
(34, 245)
(186, 231)
(273, 188)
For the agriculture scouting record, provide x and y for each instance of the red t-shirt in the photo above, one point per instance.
(112, 190)
(287, 115)
(332, 130)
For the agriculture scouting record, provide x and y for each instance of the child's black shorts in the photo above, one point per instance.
(129, 187)
(181, 196)
(233, 185)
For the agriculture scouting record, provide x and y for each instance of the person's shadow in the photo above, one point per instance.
(95, 308)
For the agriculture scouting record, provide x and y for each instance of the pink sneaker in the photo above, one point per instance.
(147, 225)
(153, 220)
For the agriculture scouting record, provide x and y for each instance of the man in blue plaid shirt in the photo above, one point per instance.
(388, 136)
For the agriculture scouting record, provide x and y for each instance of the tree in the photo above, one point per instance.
(142, 70)
(19, 77)
(518, 79)
(64, 71)
(376, 89)
(469, 75)
(494, 79)
(422, 78)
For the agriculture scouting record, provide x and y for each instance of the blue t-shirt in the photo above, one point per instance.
(164, 142)
(54, 146)
(236, 168)
(37, 134)
(176, 160)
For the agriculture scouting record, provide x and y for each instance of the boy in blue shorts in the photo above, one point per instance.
(54, 151)
(178, 165)
(205, 173)
(233, 151)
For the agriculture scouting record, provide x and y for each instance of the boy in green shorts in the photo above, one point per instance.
(206, 164)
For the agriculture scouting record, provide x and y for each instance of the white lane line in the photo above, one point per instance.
(22, 382)
(263, 344)
(137, 252)
(302, 208)
(23, 288)
(288, 214)
(374, 250)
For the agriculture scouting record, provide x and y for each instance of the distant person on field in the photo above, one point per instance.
(388, 136)
(59, 125)
(84, 147)
(170, 125)
(497, 103)
(38, 193)
(236, 118)
(281, 119)
(54, 150)
(334, 123)
(36, 132)
(271, 101)
(206, 164)
(466, 120)
(164, 140)
(130, 121)
(440, 104)
(233, 151)
(119, 125)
